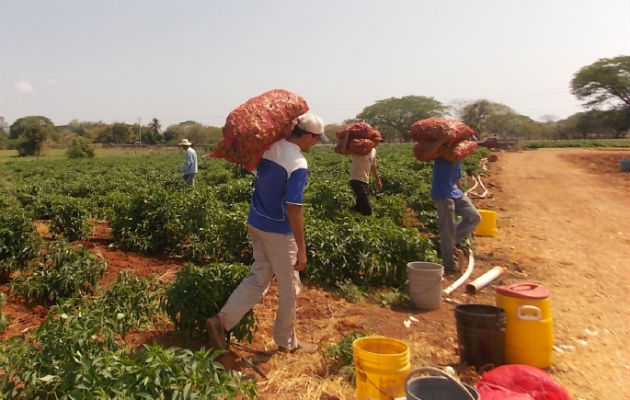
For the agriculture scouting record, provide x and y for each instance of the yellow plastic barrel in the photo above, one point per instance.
(488, 224)
(529, 326)
(382, 366)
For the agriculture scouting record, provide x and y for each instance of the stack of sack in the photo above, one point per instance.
(457, 146)
(358, 138)
(257, 124)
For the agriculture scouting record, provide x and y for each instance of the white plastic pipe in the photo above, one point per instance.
(483, 280)
(465, 275)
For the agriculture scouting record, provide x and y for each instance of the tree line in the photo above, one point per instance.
(603, 87)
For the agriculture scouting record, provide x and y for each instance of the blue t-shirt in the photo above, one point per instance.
(445, 175)
(280, 180)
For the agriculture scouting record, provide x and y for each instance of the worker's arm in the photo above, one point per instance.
(374, 170)
(296, 221)
(342, 147)
(433, 151)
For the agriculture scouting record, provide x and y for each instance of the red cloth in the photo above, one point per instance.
(257, 124)
(519, 382)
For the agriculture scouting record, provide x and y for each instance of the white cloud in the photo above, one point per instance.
(23, 86)
(53, 82)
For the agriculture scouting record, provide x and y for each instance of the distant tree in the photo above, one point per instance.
(155, 125)
(200, 135)
(152, 133)
(480, 114)
(32, 133)
(398, 114)
(605, 82)
(80, 147)
(117, 133)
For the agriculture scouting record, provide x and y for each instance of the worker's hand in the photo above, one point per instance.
(300, 261)
(379, 185)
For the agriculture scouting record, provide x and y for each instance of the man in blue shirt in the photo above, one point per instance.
(189, 170)
(276, 229)
(450, 201)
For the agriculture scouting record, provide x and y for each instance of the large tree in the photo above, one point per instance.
(480, 115)
(33, 133)
(398, 114)
(605, 82)
(117, 133)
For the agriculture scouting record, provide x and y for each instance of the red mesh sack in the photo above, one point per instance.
(420, 147)
(519, 382)
(361, 147)
(258, 123)
(458, 150)
(453, 152)
(434, 128)
(362, 138)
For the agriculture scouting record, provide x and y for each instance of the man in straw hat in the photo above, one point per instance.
(190, 169)
(276, 229)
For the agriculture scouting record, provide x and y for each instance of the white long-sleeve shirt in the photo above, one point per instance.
(191, 162)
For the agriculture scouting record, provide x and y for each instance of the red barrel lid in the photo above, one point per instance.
(524, 291)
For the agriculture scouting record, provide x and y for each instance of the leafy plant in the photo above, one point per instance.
(350, 291)
(391, 297)
(69, 218)
(80, 147)
(76, 356)
(198, 293)
(131, 302)
(3, 318)
(19, 241)
(63, 271)
(367, 251)
(341, 355)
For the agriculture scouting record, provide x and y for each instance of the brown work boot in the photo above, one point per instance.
(303, 347)
(216, 334)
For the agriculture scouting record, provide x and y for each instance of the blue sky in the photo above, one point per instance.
(120, 61)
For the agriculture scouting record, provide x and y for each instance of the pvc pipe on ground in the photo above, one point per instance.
(474, 286)
(465, 275)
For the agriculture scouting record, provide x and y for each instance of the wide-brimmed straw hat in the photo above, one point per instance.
(184, 142)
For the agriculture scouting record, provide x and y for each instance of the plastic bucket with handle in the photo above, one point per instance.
(437, 386)
(481, 334)
(425, 284)
(381, 366)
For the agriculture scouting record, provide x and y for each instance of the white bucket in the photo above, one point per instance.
(425, 284)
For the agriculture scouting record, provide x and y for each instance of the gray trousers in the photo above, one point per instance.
(451, 233)
(274, 255)
(189, 178)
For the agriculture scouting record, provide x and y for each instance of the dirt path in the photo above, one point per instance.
(564, 220)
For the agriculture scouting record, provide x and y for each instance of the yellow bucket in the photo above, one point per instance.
(529, 326)
(488, 224)
(382, 366)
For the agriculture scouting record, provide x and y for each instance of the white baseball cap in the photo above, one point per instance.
(312, 124)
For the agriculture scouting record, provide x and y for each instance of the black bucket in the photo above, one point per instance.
(438, 386)
(480, 334)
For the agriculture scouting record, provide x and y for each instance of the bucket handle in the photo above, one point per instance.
(521, 313)
(435, 372)
(365, 376)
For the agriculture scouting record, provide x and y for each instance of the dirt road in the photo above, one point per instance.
(564, 222)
